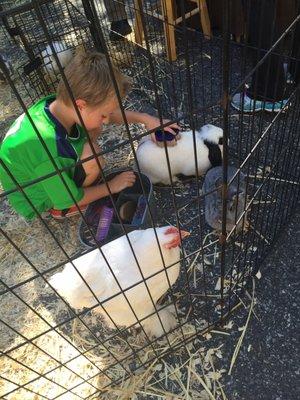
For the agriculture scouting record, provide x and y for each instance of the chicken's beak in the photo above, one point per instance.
(184, 234)
(175, 242)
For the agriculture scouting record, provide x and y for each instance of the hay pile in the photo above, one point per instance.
(25, 361)
(50, 348)
(36, 336)
(190, 371)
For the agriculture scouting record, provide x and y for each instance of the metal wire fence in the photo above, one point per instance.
(50, 347)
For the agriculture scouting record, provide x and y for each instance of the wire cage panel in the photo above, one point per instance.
(50, 347)
(65, 28)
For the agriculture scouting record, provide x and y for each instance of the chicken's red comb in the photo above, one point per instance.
(171, 229)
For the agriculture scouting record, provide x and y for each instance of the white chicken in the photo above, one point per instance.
(95, 271)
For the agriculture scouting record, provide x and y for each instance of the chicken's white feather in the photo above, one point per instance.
(122, 273)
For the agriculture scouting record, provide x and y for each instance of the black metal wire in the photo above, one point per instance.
(288, 29)
(262, 41)
(239, 142)
(92, 10)
(225, 95)
(139, 172)
(170, 351)
(152, 71)
(65, 253)
(250, 137)
(267, 143)
(34, 311)
(141, 182)
(43, 351)
(21, 387)
(284, 147)
(249, 243)
(100, 153)
(190, 110)
(57, 170)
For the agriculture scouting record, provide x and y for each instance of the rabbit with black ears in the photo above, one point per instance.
(236, 198)
(153, 162)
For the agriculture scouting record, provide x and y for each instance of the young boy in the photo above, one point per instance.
(58, 123)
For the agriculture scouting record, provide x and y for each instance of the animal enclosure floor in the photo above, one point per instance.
(270, 164)
(268, 365)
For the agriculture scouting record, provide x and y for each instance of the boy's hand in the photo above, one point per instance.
(153, 122)
(122, 181)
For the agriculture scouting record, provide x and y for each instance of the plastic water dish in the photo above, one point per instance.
(159, 135)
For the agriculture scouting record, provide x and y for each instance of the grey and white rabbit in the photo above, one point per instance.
(153, 162)
(236, 198)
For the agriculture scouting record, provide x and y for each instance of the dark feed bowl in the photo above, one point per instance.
(132, 207)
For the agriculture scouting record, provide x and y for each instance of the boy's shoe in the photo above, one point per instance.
(119, 29)
(67, 213)
(242, 102)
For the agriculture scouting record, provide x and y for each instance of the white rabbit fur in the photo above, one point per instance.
(153, 162)
(63, 53)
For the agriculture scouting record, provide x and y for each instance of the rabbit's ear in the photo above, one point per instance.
(214, 153)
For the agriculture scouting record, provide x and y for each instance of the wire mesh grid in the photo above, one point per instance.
(35, 66)
(51, 349)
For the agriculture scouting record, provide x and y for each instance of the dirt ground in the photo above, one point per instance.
(266, 367)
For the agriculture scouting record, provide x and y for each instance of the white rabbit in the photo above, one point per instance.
(153, 162)
(63, 53)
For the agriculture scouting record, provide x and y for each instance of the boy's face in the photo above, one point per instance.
(95, 116)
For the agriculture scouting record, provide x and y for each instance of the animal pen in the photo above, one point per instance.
(50, 349)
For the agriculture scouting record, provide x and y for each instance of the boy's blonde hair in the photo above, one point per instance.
(89, 78)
